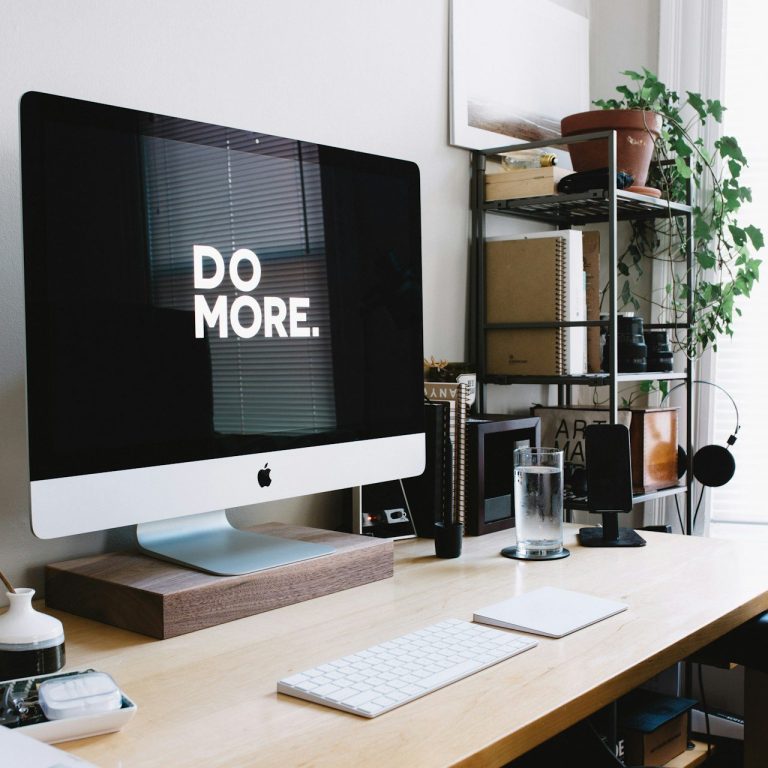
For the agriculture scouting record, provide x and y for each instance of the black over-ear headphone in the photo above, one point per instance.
(713, 465)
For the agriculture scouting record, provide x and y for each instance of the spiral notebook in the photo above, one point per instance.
(536, 277)
(549, 611)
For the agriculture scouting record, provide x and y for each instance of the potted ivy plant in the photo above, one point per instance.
(725, 267)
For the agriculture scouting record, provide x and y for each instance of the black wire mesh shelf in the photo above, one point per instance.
(590, 379)
(587, 207)
(579, 503)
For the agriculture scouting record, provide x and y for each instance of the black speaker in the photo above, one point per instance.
(609, 485)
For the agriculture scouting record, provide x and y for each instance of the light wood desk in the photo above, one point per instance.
(208, 698)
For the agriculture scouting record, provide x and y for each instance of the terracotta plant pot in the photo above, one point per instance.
(636, 131)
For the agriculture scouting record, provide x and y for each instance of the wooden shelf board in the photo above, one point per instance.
(690, 758)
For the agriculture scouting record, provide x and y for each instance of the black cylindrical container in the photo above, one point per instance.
(31, 643)
(660, 357)
(631, 349)
(448, 538)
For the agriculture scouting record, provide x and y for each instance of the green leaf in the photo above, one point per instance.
(715, 109)
(695, 100)
(738, 234)
(706, 259)
(702, 230)
(682, 168)
(626, 293)
(755, 236)
(682, 147)
(729, 147)
(633, 75)
(655, 90)
(731, 199)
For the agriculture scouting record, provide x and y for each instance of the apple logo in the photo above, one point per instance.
(263, 476)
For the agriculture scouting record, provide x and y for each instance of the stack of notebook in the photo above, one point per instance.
(531, 278)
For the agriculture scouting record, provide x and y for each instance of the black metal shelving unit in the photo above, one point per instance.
(609, 205)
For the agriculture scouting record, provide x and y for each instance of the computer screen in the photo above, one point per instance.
(215, 317)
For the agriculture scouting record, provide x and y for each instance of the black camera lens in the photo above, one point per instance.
(631, 349)
(660, 356)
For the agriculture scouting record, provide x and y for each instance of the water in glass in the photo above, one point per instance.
(539, 509)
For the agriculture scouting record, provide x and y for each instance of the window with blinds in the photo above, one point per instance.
(231, 190)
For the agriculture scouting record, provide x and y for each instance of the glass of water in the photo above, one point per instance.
(538, 494)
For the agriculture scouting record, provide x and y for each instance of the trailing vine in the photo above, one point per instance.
(724, 265)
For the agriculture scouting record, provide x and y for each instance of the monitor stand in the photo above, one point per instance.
(209, 543)
(161, 599)
(610, 535)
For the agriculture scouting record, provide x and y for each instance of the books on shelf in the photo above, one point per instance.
(459, 396)
(523, 182)
(536, 277)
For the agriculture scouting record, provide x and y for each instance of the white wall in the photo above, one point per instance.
(623, 34)
(364, 74)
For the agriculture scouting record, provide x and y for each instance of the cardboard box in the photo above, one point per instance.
(523, 182)
(659, 746)
(653, 727)
(653, 441)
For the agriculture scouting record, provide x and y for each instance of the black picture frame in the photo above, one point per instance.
(491, 441)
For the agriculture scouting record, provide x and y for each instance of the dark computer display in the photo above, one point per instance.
(196, 293)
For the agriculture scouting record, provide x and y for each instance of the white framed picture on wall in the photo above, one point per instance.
(516, 68)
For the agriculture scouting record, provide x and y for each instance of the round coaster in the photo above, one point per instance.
(515, 555)
(648, 191)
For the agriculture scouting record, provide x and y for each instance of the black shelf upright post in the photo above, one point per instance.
(477, 312)
(613, 325)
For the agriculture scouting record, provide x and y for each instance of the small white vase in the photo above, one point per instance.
(31, 642)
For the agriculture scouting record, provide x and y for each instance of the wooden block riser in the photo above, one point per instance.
(163, 600)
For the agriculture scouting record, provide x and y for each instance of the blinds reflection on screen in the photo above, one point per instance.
(228, 196)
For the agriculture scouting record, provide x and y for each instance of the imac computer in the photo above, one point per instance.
(214, 318)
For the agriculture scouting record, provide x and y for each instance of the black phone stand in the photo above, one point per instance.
(610, 535)
(609, 485)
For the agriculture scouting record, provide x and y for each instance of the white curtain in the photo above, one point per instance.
(739, 508)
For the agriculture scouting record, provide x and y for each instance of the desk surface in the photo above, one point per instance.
(208, 698)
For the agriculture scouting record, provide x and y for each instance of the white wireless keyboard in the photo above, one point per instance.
(395, 672)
